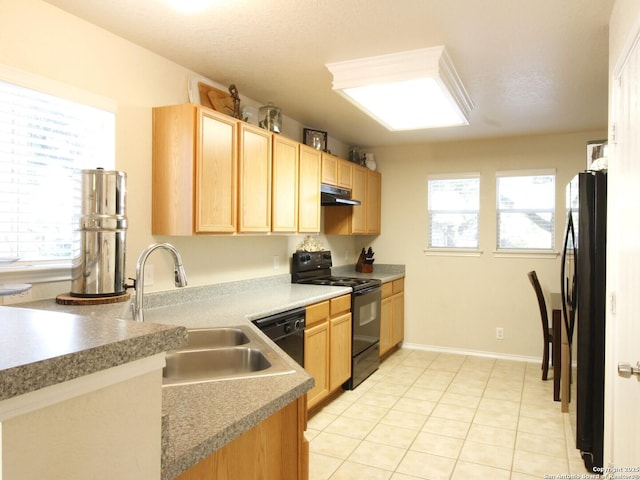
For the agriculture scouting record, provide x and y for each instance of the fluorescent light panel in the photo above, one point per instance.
(405, 91)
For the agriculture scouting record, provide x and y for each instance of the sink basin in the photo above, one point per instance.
(214, 354)
(221, 362)
(215, 337)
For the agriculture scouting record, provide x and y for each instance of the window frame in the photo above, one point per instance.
(455, 251)
(523, 251)
(54, 270)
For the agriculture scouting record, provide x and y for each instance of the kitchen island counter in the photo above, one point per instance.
(41, 348)
(199, 419)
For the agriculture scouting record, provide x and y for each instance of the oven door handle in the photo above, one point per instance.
(364, 291)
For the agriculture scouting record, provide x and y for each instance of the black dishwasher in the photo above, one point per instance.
(286, 330)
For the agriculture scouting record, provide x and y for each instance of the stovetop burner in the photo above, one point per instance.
(338, 281)
(314, 268)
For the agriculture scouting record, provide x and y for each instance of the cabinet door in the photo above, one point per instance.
(359, 192)
(329, 169)
(316, 361)
(285, 185)
(194, 172)
(340, 348)
(255, 179)
(386, 318)
(216, 174)
(309, 190)
(272, 450)
(345, 174)
(397, 326)
(173, 169)
(373, 202)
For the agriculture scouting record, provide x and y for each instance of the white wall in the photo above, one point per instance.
(41, 39)
(459, 301)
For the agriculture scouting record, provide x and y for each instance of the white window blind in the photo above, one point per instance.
(45, 141)
(453, 211)
(526, 210)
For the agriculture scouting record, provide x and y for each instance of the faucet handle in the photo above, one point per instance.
(133, 285)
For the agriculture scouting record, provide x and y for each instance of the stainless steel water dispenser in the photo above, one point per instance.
(99, 270)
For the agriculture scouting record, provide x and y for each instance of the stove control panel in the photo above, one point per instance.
(305, 261)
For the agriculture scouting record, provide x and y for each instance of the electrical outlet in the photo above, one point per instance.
(16, 298)
(500, 333)
(276, 262)
(148, 275)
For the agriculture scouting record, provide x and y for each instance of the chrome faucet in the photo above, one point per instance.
(179, 274)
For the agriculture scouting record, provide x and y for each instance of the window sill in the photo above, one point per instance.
(452, 252)
(525, 254)
(35, 273)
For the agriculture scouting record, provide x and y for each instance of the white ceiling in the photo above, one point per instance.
(529, 66)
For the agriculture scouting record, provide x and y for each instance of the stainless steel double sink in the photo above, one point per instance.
(224, 353)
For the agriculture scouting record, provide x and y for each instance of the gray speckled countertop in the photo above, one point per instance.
(30, 360)
(199, 419)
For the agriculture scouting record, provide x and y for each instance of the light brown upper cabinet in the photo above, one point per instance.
(345, 174)
(363, 219)
(309, 190)
(254, 174)
(296, 187)
(211, 173)
(329, 169)
(285, 185)
(373, 199)
(337, 171)
(194, 171)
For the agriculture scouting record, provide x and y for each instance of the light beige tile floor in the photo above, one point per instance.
(440, 416)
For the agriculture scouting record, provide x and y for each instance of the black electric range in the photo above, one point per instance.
(314, 268)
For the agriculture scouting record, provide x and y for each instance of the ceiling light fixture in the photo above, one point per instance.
(407, 90)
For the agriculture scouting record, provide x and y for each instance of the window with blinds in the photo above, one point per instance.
(45, 141)
(526, 210)
(453, 211)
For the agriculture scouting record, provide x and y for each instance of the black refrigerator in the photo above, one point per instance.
(584, 301)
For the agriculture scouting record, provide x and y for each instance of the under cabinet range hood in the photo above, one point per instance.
(336, 196)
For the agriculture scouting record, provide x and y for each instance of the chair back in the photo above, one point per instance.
(533, 278)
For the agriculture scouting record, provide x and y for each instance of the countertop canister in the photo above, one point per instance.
(98, 269)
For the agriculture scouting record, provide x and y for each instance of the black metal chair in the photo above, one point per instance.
(547, 332)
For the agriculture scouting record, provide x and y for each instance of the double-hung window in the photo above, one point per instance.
(526, 210)
(48, 133)
(453, 206)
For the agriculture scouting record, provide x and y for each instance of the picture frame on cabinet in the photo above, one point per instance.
(596, 151)
(315, 138)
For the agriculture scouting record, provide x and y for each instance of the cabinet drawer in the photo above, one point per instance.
(387, 289)
(317, 312)
(398, 285)
(340, 304)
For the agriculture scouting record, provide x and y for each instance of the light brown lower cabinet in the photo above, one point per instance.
(391, 315)
(327, 346)
(316, 361)
(272, 450)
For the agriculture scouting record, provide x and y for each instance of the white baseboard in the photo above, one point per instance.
(475, 353)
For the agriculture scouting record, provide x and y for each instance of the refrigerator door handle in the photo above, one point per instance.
(568, 291)
(626, 369)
